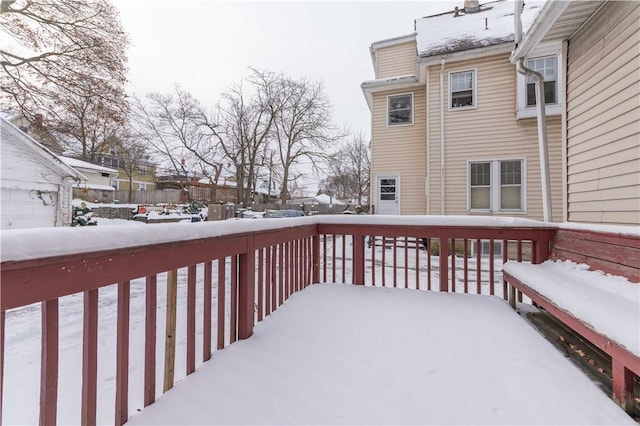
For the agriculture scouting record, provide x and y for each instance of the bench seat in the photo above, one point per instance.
(608, 304)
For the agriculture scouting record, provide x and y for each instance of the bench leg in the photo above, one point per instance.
(512, 296)
(622, 385)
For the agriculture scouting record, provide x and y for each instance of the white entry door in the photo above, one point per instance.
(388, 190)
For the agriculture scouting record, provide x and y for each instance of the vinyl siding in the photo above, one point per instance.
(490, 131)
(396, 60)
(400, 150)
(603, 118)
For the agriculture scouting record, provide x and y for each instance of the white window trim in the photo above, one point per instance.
(544, 49)
(494, 201)
(475, 90)
(412, 109)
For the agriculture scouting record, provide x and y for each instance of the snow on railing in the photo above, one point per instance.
(213, 282)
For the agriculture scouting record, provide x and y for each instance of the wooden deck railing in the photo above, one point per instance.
(256, 271)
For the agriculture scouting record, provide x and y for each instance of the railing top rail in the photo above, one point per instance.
(25, 244)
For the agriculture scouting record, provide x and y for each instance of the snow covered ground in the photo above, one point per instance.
(341, 354)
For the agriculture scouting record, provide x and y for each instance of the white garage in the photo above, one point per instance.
(35, 185)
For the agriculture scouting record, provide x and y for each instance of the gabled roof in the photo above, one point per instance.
(9, 132)
(79, 164)
(492, 25)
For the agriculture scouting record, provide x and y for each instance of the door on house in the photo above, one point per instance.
(388, 201)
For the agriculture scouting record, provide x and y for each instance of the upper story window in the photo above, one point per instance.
(400, 109)
(548, 67)
(462, 87)
(496, 186)
(143, 169)
(548, 60)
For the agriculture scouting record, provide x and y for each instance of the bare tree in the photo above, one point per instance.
(134, 154)
(179, 129)
(246, 122)
(349, 171)
(303, 127)
(67, 63)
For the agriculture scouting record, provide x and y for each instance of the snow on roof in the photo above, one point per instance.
(74, 162)
(493, 24)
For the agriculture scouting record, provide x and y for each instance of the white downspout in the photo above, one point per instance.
(442, 168)
(541, 119)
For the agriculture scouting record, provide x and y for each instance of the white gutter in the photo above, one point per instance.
(541, 118)
(442, 168)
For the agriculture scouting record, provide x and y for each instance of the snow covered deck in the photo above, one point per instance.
(343, 354)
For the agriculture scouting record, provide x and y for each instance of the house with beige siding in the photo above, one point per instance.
(453, 124)
(600, 120)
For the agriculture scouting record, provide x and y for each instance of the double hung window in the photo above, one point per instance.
(496, 185)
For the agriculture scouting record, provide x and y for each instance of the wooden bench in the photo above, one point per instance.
(603, 309)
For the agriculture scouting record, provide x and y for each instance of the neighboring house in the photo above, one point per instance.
(453, 128)
(38, 131)
(601, 118)
(35, 184)
(98, 187)
(138, 174)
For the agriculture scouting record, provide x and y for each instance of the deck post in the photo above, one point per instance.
(246, 290)
(622, 385)
(358, 259)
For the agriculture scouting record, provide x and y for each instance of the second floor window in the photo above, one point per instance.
(400, 109)
(462, 92)
(548, 67)
(143, 169)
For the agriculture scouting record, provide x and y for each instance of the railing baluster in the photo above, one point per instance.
(122, 355)
(505, 250)
(333, 261)
(49, 363)
(268, 282)
(222, 283)
(260, 283)
(372, 247)
(151, 296)
(417, 263)
(89, 357)
(170, 330)
(429, 264)
(206, 312)
(233, 321)
(324, 258)
(406, 262)
(191, 319)
(274, 284)
(395, 262)
(478, 267)
(443, 260)
(465, 253)
(453, 265)
(384, 262)
(344, 258)
(315, 242)
(281, 274)
(491, 272)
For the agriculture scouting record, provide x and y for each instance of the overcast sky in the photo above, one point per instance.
(204, 45)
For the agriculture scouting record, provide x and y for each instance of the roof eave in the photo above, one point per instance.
(545, 20)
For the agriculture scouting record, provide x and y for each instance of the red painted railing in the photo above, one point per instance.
(257, 271)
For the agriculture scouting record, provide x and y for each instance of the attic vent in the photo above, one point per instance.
(471, 6)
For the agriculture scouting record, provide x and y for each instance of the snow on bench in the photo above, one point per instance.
(609, 304)
(591, 285)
